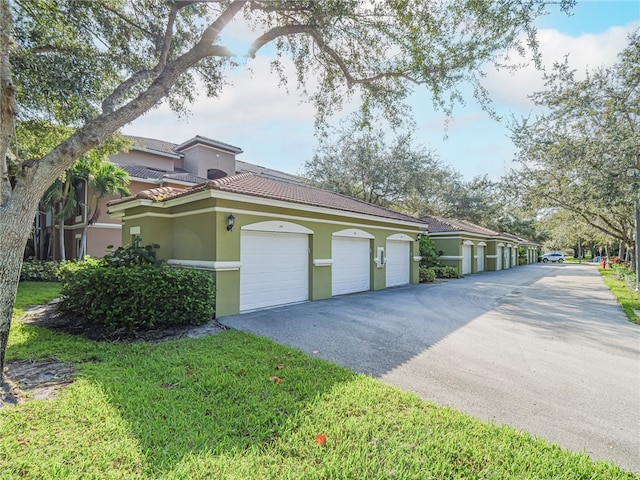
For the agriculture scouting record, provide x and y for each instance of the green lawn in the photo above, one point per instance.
(235, 406)
(629, 299)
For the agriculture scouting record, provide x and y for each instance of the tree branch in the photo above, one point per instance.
(211, 33)
(109, 104)
(324, 46)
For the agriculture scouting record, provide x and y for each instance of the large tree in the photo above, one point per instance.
(359, 161)
(577, 157)
(97, 65)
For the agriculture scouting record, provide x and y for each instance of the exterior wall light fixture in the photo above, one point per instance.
(419, 236)
(231, 221)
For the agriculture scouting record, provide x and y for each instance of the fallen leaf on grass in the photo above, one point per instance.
(321, 439)
(276, 379)
(280, 366)
(23, 442)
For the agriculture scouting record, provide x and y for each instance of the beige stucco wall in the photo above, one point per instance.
(136, 157)
(198, 159)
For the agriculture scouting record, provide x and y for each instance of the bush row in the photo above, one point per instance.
(626, 275)
(431, 273)
(136, 298)
(39, 271)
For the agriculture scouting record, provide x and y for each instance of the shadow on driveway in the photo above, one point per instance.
(375, 332)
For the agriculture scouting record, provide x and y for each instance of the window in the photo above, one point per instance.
(214, 174)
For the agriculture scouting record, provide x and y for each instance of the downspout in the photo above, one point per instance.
(85, 222)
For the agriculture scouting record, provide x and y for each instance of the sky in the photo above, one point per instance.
(274, 126)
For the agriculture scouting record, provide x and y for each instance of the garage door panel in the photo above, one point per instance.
(275, 269)
(397, 265)
(466, 259)
(480, 264)
(350, 271)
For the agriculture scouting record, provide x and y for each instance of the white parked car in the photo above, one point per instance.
(553, 257)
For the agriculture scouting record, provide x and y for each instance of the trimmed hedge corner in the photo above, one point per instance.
(137, 298)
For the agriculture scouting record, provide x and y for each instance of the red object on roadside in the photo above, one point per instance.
(604, 262)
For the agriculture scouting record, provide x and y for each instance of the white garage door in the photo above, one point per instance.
(506, 258)
(350, 271)
(480, 267)
(499, 259)
(466, 259)
(275, 269)
(397, 262)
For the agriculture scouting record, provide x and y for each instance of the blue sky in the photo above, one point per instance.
(275, 127)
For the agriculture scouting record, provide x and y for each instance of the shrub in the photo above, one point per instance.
(626, 275)
(430, 256)
(134, 255)
(427, 275)
(39, 271)
(447, 272)
(138, 297)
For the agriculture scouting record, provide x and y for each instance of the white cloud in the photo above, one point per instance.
(587, 51)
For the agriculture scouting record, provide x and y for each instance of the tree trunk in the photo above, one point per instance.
(16, 226)
(17, 204)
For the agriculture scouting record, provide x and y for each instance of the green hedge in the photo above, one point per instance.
(136, 298)
(447, 272)
(39, 271)
(427, 275)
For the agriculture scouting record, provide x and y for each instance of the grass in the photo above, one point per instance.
(571, 259)
(236, 406)
(629, 299)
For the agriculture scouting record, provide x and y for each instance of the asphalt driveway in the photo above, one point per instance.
(543, 348)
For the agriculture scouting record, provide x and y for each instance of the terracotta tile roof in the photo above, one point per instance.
(154, 144)
(441, 225)
(208, 141)
(158, 194)
(244, 167)
(517, 238)
(174, 148)
(185, 177)
(140, 171)
(259, 186)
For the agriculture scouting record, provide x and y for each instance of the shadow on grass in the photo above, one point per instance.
(218, 394)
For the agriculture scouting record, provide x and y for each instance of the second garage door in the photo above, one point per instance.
(480, 264)
(466, 259)
(350, 271)
(397, 264)
(275, 269)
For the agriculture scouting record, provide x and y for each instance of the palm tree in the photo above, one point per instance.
(102, 179)
(60, 200)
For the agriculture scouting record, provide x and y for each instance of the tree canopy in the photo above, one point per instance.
(360, 161)
(97, 65)
(578, 156)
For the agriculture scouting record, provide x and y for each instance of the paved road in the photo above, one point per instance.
(543, 348)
